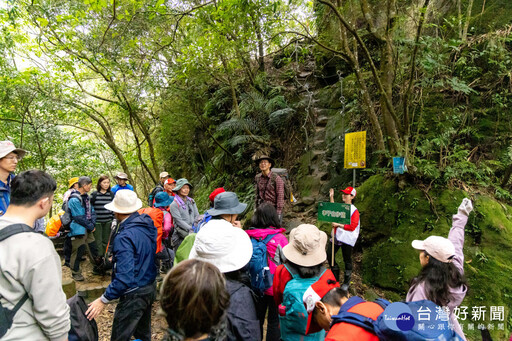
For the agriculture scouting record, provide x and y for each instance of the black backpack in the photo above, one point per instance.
(66, 218)
(81, 328)
(7, 315)
(151, 196)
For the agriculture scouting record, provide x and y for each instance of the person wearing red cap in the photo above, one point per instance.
(324, 299)
(169, 185)
(345, 237)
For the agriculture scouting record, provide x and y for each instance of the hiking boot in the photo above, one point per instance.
(78, 277)
(98, 271)
(67, 264)
(346, 280)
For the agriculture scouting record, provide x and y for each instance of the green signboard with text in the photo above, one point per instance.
(334, 212)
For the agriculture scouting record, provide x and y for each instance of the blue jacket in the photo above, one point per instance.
(79, 222)
(5, 194)
(118, 188)
(133, 257)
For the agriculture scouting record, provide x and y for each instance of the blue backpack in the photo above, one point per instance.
(196, 226)
(385, 328)
(293, 323)
(261, 278)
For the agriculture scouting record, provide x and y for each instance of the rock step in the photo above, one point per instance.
(321, 121)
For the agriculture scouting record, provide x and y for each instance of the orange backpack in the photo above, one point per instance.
(54, 225)
(158, 220)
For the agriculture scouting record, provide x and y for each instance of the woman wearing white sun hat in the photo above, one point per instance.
(222, 243)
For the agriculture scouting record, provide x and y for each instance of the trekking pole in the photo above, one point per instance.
(332, 249)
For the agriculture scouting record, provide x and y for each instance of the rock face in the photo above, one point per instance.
(391, 218)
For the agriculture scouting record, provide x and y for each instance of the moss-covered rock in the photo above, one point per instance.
(391, 218)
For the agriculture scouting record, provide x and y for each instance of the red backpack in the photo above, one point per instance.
(158, 220)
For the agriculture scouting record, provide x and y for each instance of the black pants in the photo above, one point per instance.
(346, 251)
(262, 305)
(166, 256)
(66, 249)
(133, 315)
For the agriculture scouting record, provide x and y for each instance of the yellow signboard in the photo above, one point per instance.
(355, 150)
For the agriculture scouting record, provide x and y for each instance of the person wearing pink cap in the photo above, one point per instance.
(441, 278)
(345, 237)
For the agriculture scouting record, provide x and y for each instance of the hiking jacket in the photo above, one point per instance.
(456, 236)
(183, 217)
(133, 256)
(118, 188)
(183, 251)
(350, 232)
(5, 194)
(281, 277)
(167, 224)
(243, 323)
(270, 189)
(30, 264)
(344, 331)
(79, 222)
(279, 239)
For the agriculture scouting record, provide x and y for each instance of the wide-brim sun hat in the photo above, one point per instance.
(7, 147)
(72, 181)
(180, 183)
(125, 202)
(226, 203)
(122, 176)
(164, 175)
(307, 246)
(438, 247)
(162, 199)
(227, 247)
(265, 157)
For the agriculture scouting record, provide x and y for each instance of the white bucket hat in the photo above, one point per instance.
(227, 247)
(125, 202)
(440, 248)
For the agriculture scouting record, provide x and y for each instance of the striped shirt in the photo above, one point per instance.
(99, 200)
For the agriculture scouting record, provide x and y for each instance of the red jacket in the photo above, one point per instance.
(344, 331)
(281, 278)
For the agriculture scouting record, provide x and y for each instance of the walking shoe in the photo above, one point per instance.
(67, 264)
(78, 277)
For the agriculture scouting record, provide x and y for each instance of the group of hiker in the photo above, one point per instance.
(221, 282)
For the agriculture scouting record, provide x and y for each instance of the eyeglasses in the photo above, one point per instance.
(13, 157)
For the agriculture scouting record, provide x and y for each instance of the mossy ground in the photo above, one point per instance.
(391, 218)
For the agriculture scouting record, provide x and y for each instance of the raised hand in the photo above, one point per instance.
(466, 207)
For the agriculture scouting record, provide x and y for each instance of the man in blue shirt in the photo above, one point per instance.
(121, 179)
(134, 271)
(83, 219)
(9, 157)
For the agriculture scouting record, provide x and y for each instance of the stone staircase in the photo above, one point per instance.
(317, 177)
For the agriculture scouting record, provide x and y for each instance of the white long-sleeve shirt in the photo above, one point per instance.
(29, 263)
